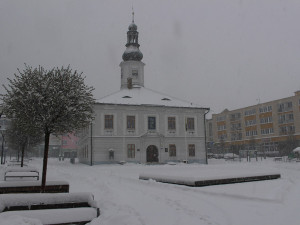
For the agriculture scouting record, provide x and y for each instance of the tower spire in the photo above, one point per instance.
(132, 51)
(132, 67)
(132, 15)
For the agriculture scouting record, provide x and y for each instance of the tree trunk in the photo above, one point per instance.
(2, 150)
(45, 161)
(22, 155)
(18, 155)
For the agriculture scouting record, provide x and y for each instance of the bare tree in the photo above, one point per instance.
(286, 147)
(222, 145)
(55, 101)
(19, 138)
(252, 143)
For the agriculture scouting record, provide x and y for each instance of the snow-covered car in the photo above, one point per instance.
(231, 156)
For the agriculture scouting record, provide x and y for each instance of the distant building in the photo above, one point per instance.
(69, 145)
(264, 127)
(137, 124)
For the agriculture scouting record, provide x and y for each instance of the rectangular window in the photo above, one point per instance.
(236, 136)
(190, 124)
(284, 107)
(151, 123)
(286, 118)
(171, 123)
(287, 130)
(250, 112)
(172, 150)
(269, 108)
(251, 133)
(265, 109)
(221, 127)
(236, 126)
(266, 120)
(292, 129)
(221, 118)
(267, 131)
(250, 123)
(192, 150)
(109, 122)
(131, 122)
(210, 131)
(291, 117)
(235, 116)
(222, 137)
(135, 73)
(130, 151)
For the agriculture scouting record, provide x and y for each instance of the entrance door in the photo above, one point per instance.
(152, 153)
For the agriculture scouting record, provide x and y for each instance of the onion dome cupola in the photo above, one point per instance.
(132, 51)
(132, 67)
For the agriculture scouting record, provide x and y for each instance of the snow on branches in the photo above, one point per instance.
(56, 101)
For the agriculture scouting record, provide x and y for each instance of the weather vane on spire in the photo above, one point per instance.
(132, 15)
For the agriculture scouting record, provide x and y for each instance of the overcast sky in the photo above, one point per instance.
(218, 54)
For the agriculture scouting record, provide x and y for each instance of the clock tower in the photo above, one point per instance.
(132, 68)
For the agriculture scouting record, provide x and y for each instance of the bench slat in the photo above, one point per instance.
(7, 201)
(33, 187)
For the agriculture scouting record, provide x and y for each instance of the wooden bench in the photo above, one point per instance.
(17, 163)
(59, 208)
(33, 187)
(21, 172)
(277, 158)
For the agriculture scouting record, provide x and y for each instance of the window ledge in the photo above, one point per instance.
(171, 131)
(130, 131)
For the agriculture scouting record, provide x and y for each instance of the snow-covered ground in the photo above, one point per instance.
(124, 199)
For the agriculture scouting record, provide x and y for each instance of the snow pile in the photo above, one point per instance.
(124, 199)
(9, 200)
(19, 220)
(53, 216)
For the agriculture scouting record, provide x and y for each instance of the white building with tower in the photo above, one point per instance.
(137, 124)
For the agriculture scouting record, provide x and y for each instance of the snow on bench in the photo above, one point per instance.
(21, 172)
(49, 208)
(17, 163)
(200, 182)
(56, 216)
(33, 187)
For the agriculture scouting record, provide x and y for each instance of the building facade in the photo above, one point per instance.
(137, 124)
(69, 145)
(266, 127)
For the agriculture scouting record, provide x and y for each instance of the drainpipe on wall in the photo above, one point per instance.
(91, 144)
(208, 109)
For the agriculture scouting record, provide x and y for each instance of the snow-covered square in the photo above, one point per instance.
(124, 199)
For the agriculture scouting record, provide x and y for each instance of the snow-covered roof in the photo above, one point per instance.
(297, 149)
(144, 96)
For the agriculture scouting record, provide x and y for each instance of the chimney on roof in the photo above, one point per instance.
(129, 83)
